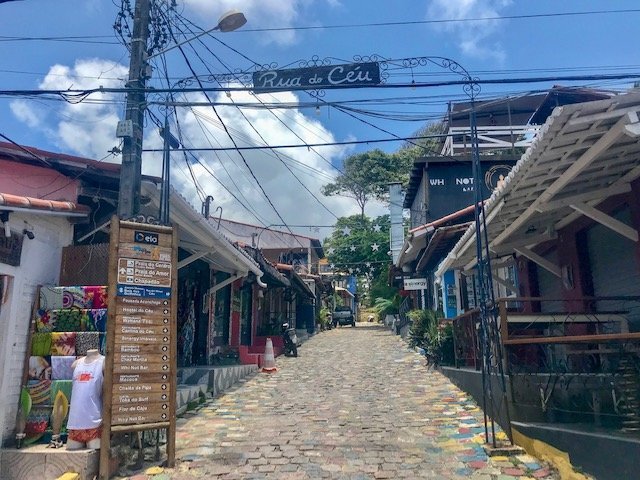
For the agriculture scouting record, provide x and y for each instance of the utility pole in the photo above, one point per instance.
(131, 128)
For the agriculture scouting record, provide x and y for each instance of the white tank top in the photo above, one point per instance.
(85, 411)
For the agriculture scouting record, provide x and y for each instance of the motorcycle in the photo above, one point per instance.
(290, 340)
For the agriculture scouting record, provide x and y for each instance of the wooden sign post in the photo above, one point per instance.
(139, 391)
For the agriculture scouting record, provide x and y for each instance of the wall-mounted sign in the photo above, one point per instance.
(451, 185)
(331, 76)
(415, 284)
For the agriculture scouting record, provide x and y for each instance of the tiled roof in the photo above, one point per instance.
(9, 201)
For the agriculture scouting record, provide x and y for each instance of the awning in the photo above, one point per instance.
(585, 153)
(272, 276)
(17, 203)
(440, 244)
(296, 280)
(200, 238)
(418, 237)
(344, 293)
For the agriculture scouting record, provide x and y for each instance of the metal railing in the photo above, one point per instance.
(576, 360)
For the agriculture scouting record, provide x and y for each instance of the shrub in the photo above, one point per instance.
(428, 333)
(386, 306)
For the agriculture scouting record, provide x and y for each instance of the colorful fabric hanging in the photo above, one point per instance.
(96, 296)
(63, 343)
(63, 386)
(45, 321)
(61, 368)
(37, 422)
(86, 341)
(67, 320)
(39, 368)
(40, 391)
(94, 320)
(41, 344)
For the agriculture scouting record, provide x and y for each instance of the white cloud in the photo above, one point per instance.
(86, 128)
(474, 38)
(23, 112)
(260, 14)
(293, 202)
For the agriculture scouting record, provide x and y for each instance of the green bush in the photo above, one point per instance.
(323, 318)
(435, 337)
(386, 306)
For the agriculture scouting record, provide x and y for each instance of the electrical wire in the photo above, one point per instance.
(313, 195)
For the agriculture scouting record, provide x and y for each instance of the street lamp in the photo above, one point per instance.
(131, 129)
(228, 22)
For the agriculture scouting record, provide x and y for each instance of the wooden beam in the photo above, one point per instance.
(524, 242)
(606, 337)
(539, 260)
(505, 283)
(586, 159)
(194, 257)
(586, 197)
(607, 220)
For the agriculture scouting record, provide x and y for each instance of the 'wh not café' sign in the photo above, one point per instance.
(348, 75)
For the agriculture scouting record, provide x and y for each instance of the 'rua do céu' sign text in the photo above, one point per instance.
(348, 75)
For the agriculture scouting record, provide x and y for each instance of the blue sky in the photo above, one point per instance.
(588, 44)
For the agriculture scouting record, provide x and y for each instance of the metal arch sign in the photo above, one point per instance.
(316, 78)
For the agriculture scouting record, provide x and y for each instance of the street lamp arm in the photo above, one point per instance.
(230, 21)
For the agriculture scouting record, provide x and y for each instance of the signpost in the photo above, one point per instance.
(315, 78)
(139, 391)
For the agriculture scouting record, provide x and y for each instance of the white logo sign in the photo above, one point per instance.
(415, 283)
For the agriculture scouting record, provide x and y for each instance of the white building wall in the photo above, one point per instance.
(39, 265)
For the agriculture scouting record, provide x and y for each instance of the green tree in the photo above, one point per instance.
(367, 175)
(362, 250)
(423, 147)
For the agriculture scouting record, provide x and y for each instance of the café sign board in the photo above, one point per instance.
(317, 78)
(140, 378)
(415, 283)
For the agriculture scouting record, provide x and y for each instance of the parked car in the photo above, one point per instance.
(343, 315)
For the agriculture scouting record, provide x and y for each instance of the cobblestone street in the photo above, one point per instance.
(356, 404)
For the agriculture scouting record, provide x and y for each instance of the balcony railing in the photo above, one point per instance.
(575, 361)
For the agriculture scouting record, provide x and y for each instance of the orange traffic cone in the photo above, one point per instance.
(269, 365)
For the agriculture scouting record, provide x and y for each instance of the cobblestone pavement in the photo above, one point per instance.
(356, 404)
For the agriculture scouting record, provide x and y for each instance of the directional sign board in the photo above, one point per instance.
(140, 379)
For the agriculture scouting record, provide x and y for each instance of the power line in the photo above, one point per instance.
(440, 21)
(313, 195)
(244, 160)
(97, 38)
(328, 144)
(79, 95)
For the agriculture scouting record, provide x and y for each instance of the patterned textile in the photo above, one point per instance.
(45, 322)
(86, 341)
(94, 320)
(37, 422)
(67, 319)
(39, 368)
(55, 298)
(39, 391)
(63, 343)
(61, 367)
(85, 436)
(63, 386)
(97, 296)
(41, 344)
